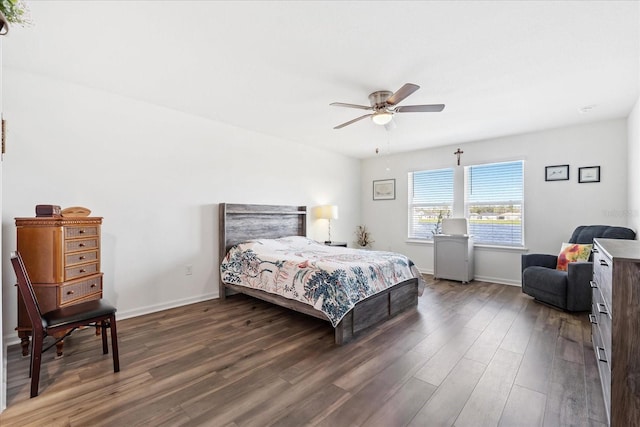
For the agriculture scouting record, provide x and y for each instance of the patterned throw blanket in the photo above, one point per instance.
(331, 279)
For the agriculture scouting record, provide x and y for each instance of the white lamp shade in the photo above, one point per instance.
(327, 212)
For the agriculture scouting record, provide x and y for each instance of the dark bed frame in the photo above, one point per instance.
(242, 222)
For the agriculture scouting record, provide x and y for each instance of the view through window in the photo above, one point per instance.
(493, 200)
(430, 200)
(494, 196)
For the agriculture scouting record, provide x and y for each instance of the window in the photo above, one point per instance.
(494, 203)
(430, 197)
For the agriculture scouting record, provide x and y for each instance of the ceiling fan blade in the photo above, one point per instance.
(402, 93)
(434, 108)
(342, 104)
(352, 121)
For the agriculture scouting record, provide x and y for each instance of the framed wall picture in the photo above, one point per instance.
(384, 189)
(589, 174)
(556, 173)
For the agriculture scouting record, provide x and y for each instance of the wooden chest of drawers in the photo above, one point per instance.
(62, 257)
(615, 327)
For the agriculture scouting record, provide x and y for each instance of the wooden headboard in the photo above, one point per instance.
(240, 222)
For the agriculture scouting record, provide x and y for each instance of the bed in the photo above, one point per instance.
(240, 223)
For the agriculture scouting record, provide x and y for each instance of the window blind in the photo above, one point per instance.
(430, 198)
(494, 202)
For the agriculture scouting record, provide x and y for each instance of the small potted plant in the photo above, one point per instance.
(437, 228)
(15, 12)
(363, 237)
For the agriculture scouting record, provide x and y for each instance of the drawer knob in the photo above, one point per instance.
(81, 231)
(604, 263)
(601, 354)
(602, 309)
(82, 245)
(70, 292)
(82, 257)
(93, 285)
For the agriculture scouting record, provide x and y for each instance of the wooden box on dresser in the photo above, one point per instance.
(62, 258)
(615, 319)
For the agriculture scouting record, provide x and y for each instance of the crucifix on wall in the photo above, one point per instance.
(458, 153)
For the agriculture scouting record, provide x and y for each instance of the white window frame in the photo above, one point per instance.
(447, 208)
(460, 205)
(496, 202)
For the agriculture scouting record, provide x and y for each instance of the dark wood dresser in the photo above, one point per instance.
(615, 319)
(62, 257)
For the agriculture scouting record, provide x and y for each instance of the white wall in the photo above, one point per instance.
(552, 209)
(3, 359)
(156, 176)
(633, 211)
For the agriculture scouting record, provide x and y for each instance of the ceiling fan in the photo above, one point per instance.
(384, 105)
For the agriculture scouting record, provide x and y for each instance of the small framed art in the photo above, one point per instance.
(589, 174)
(384, 189)
(556, 173)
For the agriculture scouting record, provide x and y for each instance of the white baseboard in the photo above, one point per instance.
(13, 339)
(10, 340)
(164, 306)
(498, 280)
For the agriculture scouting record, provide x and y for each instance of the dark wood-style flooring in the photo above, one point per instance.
(471, 355)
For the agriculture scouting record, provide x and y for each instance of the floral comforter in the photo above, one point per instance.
(331, 279)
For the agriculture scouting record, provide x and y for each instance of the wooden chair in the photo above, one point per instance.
(67, 319)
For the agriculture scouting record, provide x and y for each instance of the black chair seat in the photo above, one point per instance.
(77, 313)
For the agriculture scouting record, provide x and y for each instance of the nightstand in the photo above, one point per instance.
(342, 244)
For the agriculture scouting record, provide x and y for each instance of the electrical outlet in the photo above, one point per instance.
(188, 270)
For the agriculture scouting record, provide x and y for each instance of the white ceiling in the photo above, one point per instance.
(274, 67)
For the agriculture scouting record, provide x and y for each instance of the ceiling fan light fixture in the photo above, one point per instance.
(384, 105)
(382, 118)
